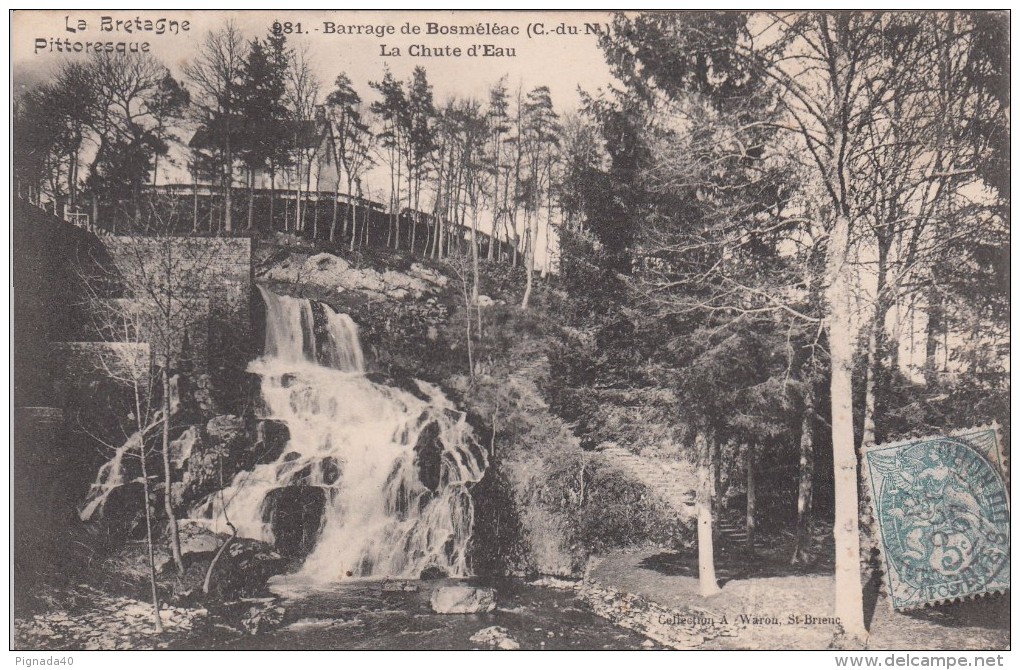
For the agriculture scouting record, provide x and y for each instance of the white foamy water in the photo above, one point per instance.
(111, 475)
(354, 440)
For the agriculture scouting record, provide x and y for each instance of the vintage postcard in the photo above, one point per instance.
(511, 330)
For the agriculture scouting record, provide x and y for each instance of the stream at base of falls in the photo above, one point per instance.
(395, 468)
(362, 615)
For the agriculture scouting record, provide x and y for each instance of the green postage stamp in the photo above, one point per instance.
(942, 509)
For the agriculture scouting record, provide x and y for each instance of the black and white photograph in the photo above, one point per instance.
(530, 330)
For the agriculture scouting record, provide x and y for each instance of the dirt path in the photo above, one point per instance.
(656, 593)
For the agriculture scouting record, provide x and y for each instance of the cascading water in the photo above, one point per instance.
(390, 468)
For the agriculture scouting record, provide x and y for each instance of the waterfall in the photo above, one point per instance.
(111, 475)
(388, 468)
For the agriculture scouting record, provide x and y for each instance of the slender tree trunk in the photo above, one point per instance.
(298, 213)
(548, 225)
(467, 323)
(871, 371)
(365, 224)
(336, 212)
(875, 348)
(414, 211)
(396, 234)
(752, 499)
(894, 348)
(389, 229)
(350, 218)
(228, 188)
(168, 503)
(72, 176)
(849, 604)
(707, 582)
(517, 240)
(805, 489)
(491, 255)
(531, 264)
(157, 623)
(194, 206)
(272, 197)
(312, 201)
(474, 255)
(352, 212)
(933, 332)
(474, 266)
(207, 582)
(251, 198)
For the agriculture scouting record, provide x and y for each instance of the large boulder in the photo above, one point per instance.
(243, 570)
(198, 539)
(463, 600)
(271, 438)
(496, 636)
(294, 513)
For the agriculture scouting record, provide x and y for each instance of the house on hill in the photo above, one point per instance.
(295, 195)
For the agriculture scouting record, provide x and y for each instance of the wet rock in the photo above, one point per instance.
(225, 428)
(326, 263)
(122, 514)
(496, 636)
(271, 438)
(397, 293)
(428, 274)
(311, 624)
(555, 583)
(262, 618)
(463, 600)
(428, 456)
(398, 587)
(302, 477)
(295, 517)
(215, 453)
(330, 470)
(433, 572)
(404, 383)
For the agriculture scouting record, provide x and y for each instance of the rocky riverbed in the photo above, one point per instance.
(108, 622)
(353, 615)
